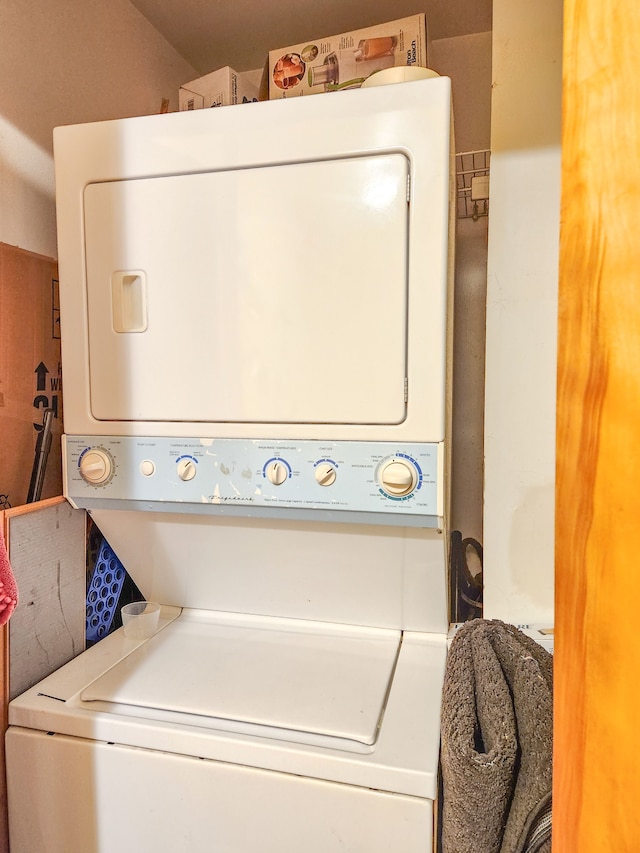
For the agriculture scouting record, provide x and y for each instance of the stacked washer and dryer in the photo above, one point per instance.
(255, 307)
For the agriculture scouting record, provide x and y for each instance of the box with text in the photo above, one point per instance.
(345, 61)
(221, 88)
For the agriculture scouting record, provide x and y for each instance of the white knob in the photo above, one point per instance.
(147, 468)
(186, 469)
(398, 478)
(277, 473)
(96, 466)
(326, 474)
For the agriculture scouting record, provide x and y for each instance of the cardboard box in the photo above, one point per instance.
(30, 371)
(221, 88)
(345, 61)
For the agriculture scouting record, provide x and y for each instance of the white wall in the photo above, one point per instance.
(65, 62)
(522, 311)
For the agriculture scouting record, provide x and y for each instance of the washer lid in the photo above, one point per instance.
(305, 677)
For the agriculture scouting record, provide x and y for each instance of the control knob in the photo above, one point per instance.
(96, 466)
(186, 469)
(398, 478)
(325, 474)
(277, 473)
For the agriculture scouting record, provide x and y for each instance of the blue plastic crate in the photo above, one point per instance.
(104, 593)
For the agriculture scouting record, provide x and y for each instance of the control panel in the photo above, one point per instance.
(245, 476)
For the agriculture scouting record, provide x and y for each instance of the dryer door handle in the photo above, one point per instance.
(129, 301)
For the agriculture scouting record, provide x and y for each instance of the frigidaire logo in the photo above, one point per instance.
(230, 499)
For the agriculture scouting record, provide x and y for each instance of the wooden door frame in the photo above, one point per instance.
(597, 649)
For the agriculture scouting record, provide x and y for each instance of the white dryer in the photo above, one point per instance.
(256, 310)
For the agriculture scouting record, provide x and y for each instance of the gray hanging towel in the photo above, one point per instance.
(497, 736)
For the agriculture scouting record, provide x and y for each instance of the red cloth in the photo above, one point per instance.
(8, 586)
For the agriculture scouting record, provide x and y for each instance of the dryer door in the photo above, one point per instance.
(257, 295)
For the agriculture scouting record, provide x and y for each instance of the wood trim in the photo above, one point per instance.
(34, 507)
(597, 650)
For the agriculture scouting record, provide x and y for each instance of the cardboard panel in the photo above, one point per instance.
(46, 543)
(30, 371)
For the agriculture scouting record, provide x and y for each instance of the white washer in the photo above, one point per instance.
(245, 732)
(255, 308)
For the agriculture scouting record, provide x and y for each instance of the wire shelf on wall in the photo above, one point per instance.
(470, 165)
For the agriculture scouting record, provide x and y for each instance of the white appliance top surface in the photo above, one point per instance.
(290, 674)
(403, 759)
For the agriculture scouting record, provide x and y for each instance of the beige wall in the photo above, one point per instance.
(64, 62)
(522, 311)
(467, 61)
